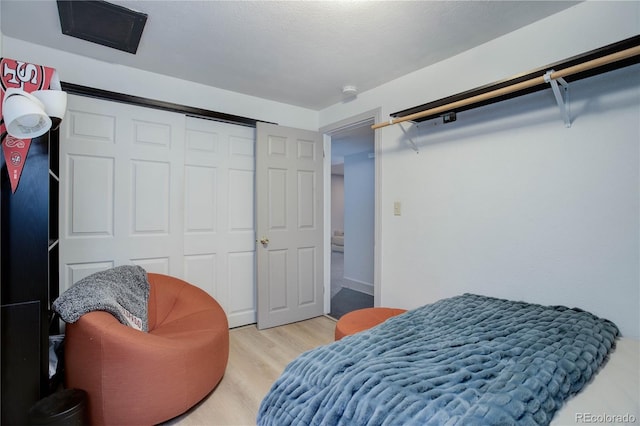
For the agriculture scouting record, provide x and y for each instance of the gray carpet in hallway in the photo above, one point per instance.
(347, 300)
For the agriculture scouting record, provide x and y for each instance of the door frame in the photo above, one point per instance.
(374, 116)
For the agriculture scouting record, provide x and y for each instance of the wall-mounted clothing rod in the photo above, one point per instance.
(525, 83)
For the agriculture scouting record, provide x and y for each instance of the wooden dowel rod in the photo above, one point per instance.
(464, 102)
(594, 63)
(585, 66)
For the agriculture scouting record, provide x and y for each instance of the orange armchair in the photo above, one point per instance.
(138, 378)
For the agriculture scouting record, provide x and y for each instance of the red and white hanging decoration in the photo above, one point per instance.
(29, 78)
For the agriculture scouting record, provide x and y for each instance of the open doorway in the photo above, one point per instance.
(352, 219)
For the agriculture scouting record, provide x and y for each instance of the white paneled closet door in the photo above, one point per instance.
(121, 177)
(219, 234)
(172, 194)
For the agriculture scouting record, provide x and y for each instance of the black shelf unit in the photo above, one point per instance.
(28, 278)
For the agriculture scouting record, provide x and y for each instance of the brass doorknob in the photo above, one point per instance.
(264, 241)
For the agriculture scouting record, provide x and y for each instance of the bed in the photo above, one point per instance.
(469, 359)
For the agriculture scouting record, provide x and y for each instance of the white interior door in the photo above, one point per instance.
(219, 233)
(121, 173)
(289, 224)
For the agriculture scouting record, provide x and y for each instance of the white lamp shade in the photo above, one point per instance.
(24, 115)
(55, 104)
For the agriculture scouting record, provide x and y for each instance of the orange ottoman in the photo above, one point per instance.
(363, 319)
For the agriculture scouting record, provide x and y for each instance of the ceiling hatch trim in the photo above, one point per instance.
(103, 23)
(532, 81)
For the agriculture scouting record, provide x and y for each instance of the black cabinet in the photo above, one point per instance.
(28, 278)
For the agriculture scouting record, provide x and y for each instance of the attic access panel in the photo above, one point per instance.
(103, 23)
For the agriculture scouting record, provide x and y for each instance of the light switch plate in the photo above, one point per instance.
(397, 208)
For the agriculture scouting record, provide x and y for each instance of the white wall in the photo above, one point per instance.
(90, 72)
(359, 217)
(509, 203)
(506, 201)
(337, 202)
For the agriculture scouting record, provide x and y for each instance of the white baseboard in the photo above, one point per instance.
(357, 285)
(238, 319)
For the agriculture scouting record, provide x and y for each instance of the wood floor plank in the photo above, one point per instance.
(256, 360)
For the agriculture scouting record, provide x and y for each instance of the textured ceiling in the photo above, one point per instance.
(297, 52)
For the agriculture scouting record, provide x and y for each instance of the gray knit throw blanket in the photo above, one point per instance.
(122, 291)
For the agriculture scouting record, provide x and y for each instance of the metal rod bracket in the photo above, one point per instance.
(413, 144)
(562, 101)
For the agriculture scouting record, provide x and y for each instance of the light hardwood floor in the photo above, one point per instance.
(256, 359)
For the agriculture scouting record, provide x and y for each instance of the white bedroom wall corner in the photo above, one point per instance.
(467, 226)
(121, 79)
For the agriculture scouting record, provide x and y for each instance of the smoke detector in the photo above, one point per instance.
(349, 91)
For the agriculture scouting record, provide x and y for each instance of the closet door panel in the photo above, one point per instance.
(122, 180)
(219, 233)
(172, 194)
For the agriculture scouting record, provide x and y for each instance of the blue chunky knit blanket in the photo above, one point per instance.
(467, 360)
